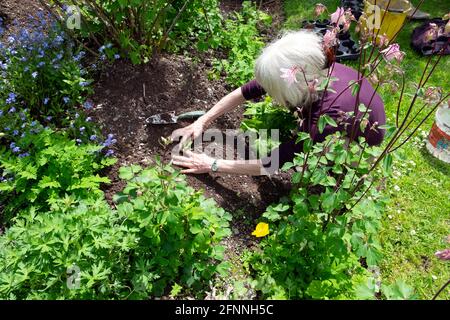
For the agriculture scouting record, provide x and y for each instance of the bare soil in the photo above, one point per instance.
(173, 83)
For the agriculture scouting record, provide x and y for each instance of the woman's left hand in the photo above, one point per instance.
(194, 162)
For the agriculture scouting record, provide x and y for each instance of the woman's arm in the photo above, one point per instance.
(227, 103)
(192, 131)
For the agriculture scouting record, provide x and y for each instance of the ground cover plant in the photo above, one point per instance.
(162, 235)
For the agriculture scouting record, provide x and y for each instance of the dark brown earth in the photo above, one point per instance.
(19, 10)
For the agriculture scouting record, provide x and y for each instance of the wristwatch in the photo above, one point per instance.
(214, 166)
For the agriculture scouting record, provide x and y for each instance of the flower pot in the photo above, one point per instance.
(438, 142)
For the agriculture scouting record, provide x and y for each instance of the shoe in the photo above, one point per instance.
(418, 15)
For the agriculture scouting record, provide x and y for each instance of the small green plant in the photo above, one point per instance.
(372, 288)
(162, 235)
(50, 167)
(183, 228)
(266, 115)
(242, 43)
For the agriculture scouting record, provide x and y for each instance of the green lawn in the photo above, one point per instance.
(418, 213)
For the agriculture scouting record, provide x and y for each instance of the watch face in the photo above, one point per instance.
(214, 166)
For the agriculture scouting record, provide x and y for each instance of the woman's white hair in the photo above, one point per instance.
(302, 49)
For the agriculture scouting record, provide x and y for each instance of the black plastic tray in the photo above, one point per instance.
(347, 49)
(435, 46)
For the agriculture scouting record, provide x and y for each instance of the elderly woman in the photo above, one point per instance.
(275, 75)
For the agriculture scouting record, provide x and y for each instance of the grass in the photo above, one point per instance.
(418, 214)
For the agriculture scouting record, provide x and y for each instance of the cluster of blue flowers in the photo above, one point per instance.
(34, 66)
(40, 56)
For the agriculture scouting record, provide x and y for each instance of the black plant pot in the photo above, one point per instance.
(357, 7)
(347, 49)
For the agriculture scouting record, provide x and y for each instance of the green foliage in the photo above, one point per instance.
(241, 40)
(320, 233)
(266, 115)
(162, 235)
(54, 167)
(139, 27)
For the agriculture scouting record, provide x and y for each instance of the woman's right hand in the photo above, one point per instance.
(191, 131)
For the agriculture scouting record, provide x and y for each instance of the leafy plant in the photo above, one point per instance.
(314, 249)
(242, 43)
(176, 220)
(331, 220)
(371, 289)
(139, 28)
(265, 115)
(162, 235)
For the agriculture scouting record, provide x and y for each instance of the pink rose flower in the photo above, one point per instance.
(290, 75)
(393, 52)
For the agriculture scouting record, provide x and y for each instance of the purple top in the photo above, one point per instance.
(334, 105)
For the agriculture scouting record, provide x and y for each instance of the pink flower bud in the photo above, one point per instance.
(319, 9)
(393, 52)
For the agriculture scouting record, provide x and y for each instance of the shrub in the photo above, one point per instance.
(163, 234)
(50, 167)
(317, 237)
(139, 27)
(41, 72)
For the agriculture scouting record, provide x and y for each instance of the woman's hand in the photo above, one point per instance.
(194, 162)
(191, 131)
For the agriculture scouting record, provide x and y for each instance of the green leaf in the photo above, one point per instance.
(302, 136)
(362, 108)
(398, 291)
(176, 289)
(387, 163)
(321, 124)
(355, 87)
(128, 173)
(194, 229)
(223, 268)
(390, 130)
(324, 120)
(366, 291)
